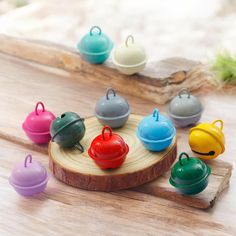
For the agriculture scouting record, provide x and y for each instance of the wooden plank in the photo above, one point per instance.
(158, 82)
(218, 181)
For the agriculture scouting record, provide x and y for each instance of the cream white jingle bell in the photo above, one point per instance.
(129, 58)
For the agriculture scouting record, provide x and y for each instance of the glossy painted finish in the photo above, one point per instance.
(37, 124)
(130, 57)
(108, 149)
(95, 46)
(207, 140)
(68, 129)
(156, 131)
(29, 177)
(189, 175)
(185, 109)
(112, 109)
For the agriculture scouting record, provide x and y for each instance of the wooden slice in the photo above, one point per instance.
(141, 166)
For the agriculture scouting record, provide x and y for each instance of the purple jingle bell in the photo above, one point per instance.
(29, 177)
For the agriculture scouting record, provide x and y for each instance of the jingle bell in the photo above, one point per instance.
(189, 175)
(112, 110)
(37, 124)
(129, 58)
(68, 130)
(185, 109)
(206, 140)
(156, 132)
(29, 177)
(95, 47)
(108, 150)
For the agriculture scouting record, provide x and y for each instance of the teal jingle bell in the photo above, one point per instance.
(68, 130)
(95, 47)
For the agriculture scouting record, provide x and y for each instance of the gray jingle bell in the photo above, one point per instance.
(112, 109)
(185, 109)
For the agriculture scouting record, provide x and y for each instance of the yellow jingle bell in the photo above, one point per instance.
(207, 140)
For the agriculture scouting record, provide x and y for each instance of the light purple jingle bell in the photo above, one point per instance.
(29, 177)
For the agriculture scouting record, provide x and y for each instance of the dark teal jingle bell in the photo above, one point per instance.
(68, 130)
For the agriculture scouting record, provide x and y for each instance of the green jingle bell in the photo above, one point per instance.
(68, 130)
(189, 175)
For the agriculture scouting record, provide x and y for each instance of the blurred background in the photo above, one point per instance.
(187, 28)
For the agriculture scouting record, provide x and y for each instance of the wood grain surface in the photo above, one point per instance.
(141, 166)
(64, 210)
(88, 213)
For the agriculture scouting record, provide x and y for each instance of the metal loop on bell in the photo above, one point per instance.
(184, 91)
(180, 157)
(79, 147)
(106, 128)
(110, 90)
(28, 158)
(36, 107)
(95, 27)
(156, 113)
(129, 37)
(219, 121)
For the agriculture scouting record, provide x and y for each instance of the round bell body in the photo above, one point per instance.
(156, 132)
(206, 140)
(112, 110)
(95, 47)
(129, 58)
(189, 175)
(37, 124)
(108, 150)
(185, 109)
(29, 177)
(67, 130)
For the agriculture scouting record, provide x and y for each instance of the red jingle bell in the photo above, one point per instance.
(108, 150)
